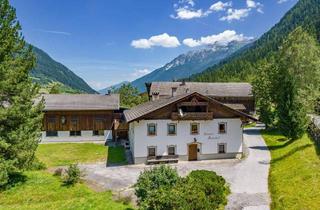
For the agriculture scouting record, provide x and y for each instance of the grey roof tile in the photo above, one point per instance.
(55, 102)
(208, 89)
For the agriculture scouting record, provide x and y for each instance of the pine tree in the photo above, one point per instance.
(20, 118)
(297, 82)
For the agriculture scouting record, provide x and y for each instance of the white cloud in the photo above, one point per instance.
(236, 14)
(220, 6)
(221, 39)
(185, 13)
(162, 40)
(140, 72)
(282, 1)
(253, 4)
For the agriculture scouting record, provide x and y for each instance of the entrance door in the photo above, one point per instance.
(193, 151)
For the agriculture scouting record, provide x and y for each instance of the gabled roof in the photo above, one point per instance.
(151, 106)
(228, 89)
(68, 102)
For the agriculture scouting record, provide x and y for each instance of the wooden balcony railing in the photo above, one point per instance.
(192, 116)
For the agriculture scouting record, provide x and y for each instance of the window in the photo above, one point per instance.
(222, 127)
(171, 150)
(151, 151)
(172, 129)
(152, 129)
(194, 128)
(98, 133)
(75, 133)
(51, 133)
(221, 148)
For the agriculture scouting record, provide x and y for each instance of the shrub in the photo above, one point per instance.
(73, 175)
(158, 177)
(201, 189)
(37, 165)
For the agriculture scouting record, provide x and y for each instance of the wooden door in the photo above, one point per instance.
(193, 151)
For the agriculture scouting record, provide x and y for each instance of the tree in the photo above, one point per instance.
(264, 92)
(20, 117)
(129, 96)
(287, 85)
(297, 82)
(156, 178)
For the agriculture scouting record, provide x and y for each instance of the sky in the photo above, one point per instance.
(109, 41)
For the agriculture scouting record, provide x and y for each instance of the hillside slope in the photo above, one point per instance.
(48, 70)
(241, 66)
(189, 63)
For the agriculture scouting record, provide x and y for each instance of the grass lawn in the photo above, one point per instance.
(294, 178)
(62, 154)
(44, 191)
(116, 155)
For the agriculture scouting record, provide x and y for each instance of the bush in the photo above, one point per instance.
(73, 175)
(37, 165)
(162, 188)
(157, 177)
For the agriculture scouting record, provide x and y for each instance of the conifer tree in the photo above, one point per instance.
(20, 117)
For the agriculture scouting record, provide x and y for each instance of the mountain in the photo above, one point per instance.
(116, 86)
(189, 63)
(48, 70)
(241, 66)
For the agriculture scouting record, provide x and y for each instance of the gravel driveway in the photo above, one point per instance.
(248, 178)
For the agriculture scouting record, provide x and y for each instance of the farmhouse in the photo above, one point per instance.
(235, 95)
(80, 117)
(183, 125)
(181, 120)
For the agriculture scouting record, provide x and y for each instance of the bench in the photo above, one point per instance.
(162, 159)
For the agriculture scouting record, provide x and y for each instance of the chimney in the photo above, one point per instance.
(108, 92)
(183, 82)
(173, 91)
(155, 96)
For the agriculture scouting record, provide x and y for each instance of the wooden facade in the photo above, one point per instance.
(248, 102)
(193, 108)
(78, 120)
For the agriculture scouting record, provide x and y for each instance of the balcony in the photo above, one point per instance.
(192, 116)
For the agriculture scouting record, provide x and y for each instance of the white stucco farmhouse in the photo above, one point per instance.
(189, 126)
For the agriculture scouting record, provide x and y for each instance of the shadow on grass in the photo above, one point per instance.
(116, 156)
(316, 144)
(14, 180)
(291, 152)
(275, 147)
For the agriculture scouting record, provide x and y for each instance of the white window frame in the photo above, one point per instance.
(198, 125)
(155, 125)
(170, 124)
(155, 151)
(225, 127)
(175, 149)
(225, 148)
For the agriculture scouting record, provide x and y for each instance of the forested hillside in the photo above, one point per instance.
(242, 65)
(48, 70)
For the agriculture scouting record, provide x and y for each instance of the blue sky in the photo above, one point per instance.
(109, 41)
